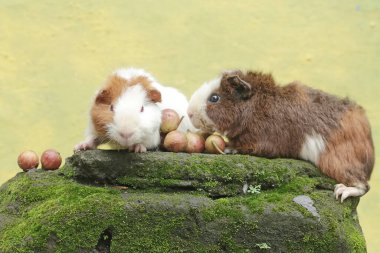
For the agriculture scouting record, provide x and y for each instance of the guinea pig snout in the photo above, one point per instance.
(125, 134)
(190, 112)
(194, 117)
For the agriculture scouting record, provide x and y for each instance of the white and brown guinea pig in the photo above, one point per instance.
(127, 111)
(293, 121)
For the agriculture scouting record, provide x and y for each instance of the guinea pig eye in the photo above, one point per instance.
(111, 108)
(214, 98)
(142, 109)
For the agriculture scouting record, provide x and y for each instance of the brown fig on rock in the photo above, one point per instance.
(28, 160)
(195, 143)
(50, 159)
(175, 141)
(215, 144)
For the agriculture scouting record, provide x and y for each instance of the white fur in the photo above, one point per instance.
(312, 147)
(344, 192)
(171, 98)
(140, 127)
(198, 105)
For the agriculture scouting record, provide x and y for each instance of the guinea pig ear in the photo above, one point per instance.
(242, 88)
(103, 97)
(154, 96)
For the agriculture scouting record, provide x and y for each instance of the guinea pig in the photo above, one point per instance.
(262, 118)
(126, 111)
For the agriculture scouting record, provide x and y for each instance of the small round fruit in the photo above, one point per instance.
(215, 144)
(175, 141)
(169, 121)
(50, 159)
(28, 160)
(195, 143)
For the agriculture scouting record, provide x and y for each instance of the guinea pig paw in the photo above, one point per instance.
(84, 146)
(337, 186)
(139, 148)
(344, 192)
(230, 151)
(338, 190)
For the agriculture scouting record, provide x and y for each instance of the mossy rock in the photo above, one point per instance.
(114, 201)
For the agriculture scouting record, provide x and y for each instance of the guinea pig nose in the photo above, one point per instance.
(190, 114)
(125, 135)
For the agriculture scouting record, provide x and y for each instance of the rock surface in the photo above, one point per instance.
(114, 201)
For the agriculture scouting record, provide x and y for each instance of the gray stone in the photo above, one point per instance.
(110, 201)
(307, 202)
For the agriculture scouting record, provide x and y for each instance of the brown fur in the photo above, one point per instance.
(349, 156)
(101, 114)
(272, 121)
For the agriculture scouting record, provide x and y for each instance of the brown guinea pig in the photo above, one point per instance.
(293, 121)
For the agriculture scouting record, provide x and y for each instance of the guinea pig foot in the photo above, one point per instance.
(84, 146)
(344, 192)
(139, 148)
(230, 151)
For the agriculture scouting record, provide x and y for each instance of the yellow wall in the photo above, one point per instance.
(54, 54)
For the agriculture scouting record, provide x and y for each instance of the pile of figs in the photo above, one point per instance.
(50, 160)
(172, 140)
(177, 141)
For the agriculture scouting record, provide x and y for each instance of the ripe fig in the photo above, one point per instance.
(195, 143)
(170, 121)
(175, 141)
(215, 144)
(50, 159)
(28, 160)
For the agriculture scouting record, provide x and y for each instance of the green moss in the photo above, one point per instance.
(163, 223)
(143, 183)
(356, 240)
(299, 185)
(224, 208)
(235, 220)
(137, 182)
(71, 216)
(226, 169)
(67, 171)
(151, 232)
(49, 205)
(191, 205)
(340, 221)
(212, 184)
(218, 177)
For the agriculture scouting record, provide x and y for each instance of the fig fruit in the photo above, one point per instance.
(28, 160)
(195, 143)
(175, 141)
(215, 144)
(50, 159)
(169, 121)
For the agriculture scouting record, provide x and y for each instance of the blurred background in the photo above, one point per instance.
(55, 54)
